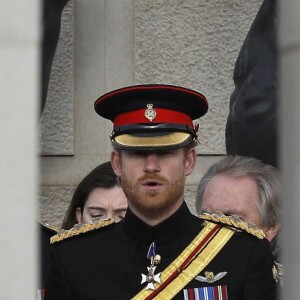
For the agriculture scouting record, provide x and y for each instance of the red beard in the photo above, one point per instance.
(153, 203)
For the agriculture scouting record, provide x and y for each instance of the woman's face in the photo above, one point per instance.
(104, 203)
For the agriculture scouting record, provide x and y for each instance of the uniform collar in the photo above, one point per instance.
(161, 233)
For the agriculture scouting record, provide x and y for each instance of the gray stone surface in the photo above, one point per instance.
(56, 124)
(195, 44)
(189, 197)
(53, 204)
(19, 85)
(289, 49)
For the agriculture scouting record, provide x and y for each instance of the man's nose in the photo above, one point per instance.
(152, 163)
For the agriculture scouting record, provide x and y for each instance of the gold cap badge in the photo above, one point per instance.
(150, 112)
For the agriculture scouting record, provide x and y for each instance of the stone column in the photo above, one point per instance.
(19, 85)
(289, 46)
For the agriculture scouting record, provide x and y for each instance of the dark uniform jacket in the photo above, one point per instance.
(107, 263)
(45, 233)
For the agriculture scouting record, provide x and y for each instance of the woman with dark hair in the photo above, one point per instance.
(98, 195)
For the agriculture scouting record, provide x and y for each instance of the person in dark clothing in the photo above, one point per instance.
(160, 250)
(252, 125)
(45, 233)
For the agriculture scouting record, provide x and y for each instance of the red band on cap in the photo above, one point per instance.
(162, 116)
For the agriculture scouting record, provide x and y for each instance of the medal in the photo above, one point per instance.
(151, 278)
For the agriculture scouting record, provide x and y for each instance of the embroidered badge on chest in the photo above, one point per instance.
(155, 259)
(210, 277)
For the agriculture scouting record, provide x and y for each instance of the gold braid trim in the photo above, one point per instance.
(197, 266)
(233, 221)
(50, 227)
(205, 255)
(79, 229)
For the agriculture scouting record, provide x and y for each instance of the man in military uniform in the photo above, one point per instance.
(160, 250)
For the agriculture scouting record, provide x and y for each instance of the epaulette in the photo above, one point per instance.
(49, 227)
(77, 229)
(234, 222)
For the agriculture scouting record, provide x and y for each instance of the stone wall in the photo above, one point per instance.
(110, 44)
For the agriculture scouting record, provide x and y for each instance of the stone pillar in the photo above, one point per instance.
(19, 85)
(289, 46)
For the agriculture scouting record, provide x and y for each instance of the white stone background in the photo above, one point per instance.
(19, 85)
(105, 45)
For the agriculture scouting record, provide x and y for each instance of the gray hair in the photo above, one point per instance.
(267, 179)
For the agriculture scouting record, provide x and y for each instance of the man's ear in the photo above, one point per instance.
(190, 161)
(79, 215)
(115, 159)
(272, 232)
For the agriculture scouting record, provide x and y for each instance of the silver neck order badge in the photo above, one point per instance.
(152, 278)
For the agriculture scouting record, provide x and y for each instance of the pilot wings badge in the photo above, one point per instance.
(210, 277)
